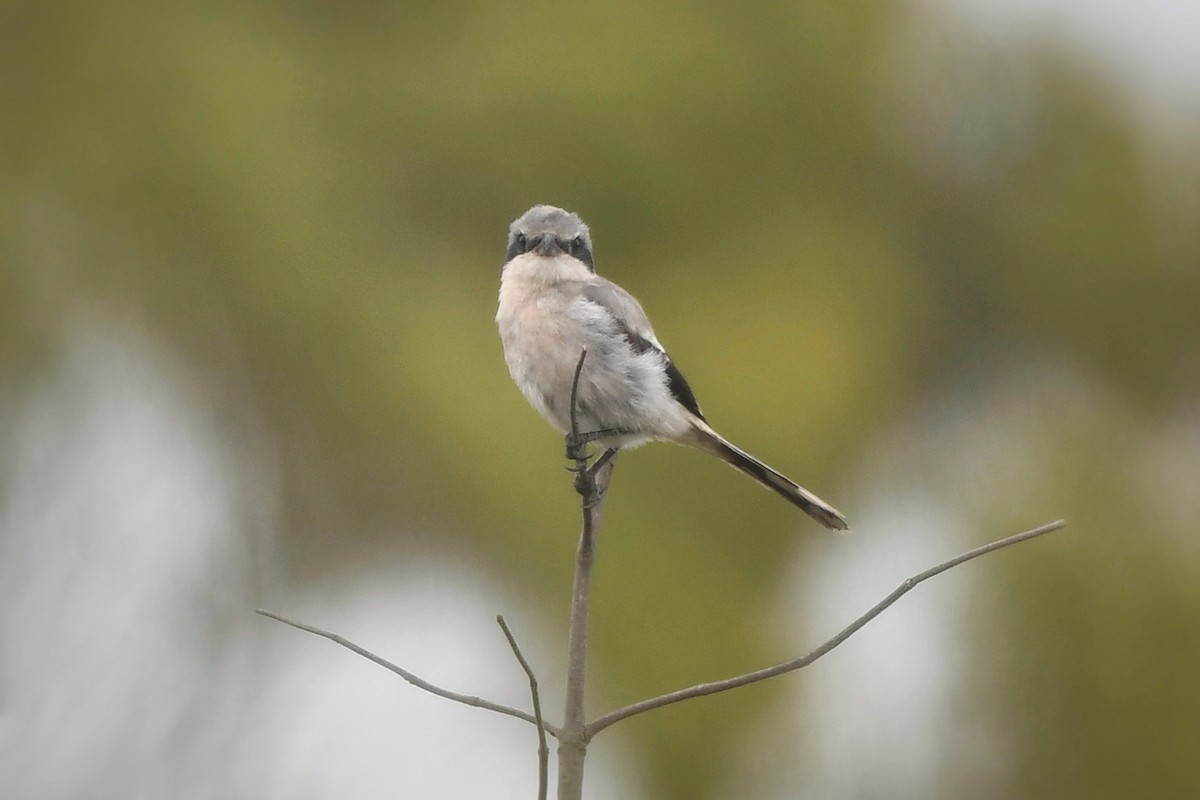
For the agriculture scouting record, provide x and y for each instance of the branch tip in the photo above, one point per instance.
(907, 585)
(543, 748)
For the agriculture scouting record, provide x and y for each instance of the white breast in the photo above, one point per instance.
(537, 331)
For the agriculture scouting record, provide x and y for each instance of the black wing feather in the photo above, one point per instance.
(676, 383)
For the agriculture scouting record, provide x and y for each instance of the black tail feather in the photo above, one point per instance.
(796, 494)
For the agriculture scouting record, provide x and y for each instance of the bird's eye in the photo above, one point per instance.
(517, 246)
(579, 249)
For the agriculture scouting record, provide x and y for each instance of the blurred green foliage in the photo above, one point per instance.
(836, 216)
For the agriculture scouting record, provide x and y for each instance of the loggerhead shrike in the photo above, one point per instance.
(553, 305)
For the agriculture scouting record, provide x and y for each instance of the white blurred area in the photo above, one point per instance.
(1147, 48)
(133, 665)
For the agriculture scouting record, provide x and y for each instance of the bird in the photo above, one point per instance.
(553, 308)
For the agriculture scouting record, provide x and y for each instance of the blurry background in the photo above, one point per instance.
(938, 261)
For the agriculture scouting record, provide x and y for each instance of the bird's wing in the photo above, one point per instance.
(622, 307)
(629, 316)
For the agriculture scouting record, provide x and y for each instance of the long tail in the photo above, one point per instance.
(711, 441)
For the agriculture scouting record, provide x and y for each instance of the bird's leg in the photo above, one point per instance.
(585, 476)
(577, 443)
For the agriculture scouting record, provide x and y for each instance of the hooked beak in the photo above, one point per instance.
(548, 246)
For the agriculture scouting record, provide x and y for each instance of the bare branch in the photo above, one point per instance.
(574, 393)
(799, 663)
(543, 749)
(420, 683)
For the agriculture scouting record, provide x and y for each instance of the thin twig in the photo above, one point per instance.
(798, 663)
(420, 683)
(543, 748)
(574, 393)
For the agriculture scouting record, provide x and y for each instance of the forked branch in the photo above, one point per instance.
(420, 683)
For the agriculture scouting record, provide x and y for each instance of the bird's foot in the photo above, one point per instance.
(576, 444)
(585, 477)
